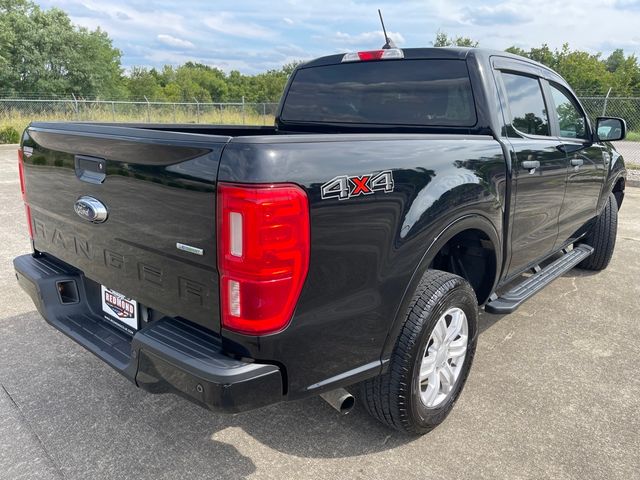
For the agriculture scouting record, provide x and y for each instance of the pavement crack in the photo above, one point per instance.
(22, 416)
(575, 288)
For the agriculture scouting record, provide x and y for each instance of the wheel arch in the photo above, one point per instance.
(468, 223)
(618, 190)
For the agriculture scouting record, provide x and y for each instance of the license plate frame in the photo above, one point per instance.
(119, 309)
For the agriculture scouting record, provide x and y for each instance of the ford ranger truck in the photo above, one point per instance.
(349, 245)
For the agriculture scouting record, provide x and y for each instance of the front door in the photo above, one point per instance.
(587, 164)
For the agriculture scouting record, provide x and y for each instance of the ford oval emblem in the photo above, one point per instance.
(91, 209)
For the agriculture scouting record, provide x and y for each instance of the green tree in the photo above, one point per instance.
(542, 54)
(202, 82)
(585, 72)
(444, 40)
(142, 82)
(625, 72)
(615, 60)
(43, 52)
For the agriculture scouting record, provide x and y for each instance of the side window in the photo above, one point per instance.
(528, 111)
(572, 122)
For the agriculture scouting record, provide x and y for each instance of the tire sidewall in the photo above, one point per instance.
(602, 237)
(463, 297)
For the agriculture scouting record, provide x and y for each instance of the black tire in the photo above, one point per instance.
(602, 237)
(394, 397)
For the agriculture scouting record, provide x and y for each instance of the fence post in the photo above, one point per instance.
(148, 112)
(243, 109)
(606, 100)
(174, 112)
(113, 110)
(264, 113)
(75, 104)
(197, 110)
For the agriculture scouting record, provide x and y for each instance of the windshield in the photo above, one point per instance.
(386, 92)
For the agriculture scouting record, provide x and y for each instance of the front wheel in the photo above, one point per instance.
(432, 357)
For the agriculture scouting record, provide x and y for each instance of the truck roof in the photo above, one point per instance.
(459, 53)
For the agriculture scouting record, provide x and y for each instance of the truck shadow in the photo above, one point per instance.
(487, 320)
(311, 428)
(92, 421)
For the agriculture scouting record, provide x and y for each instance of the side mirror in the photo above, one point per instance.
(609, 129)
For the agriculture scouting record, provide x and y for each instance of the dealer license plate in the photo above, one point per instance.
(120, 308)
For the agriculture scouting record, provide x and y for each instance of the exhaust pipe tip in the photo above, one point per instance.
(341, 400)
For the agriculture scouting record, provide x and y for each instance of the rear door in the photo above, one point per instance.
(587, 164)
(159, 191)
(539, 168)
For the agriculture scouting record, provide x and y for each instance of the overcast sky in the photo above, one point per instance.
(254, 36)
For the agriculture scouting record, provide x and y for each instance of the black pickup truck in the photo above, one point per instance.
(351, 244)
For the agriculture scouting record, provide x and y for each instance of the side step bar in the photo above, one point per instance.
(515, 297)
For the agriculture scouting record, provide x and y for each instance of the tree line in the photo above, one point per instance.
(587, 73)
(43, 53)
(195, 81)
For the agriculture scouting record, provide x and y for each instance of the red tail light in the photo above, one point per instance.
(23, 190)
(21, 172)
(27, 210)
(263, 254)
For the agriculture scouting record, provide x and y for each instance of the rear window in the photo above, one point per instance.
(391, 92)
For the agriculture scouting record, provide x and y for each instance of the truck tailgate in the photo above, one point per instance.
(159, 191)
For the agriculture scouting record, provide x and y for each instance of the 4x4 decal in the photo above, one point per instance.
(345, 187)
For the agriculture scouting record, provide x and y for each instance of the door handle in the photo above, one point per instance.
(577, 162)
(531, 165)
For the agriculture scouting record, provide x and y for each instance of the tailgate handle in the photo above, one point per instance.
(91, 169)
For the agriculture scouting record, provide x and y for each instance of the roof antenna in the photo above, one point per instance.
(389, 43)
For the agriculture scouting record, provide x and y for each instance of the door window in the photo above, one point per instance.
(526, 103)
(573, 123)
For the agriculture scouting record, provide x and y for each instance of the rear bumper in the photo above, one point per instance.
(170, 355)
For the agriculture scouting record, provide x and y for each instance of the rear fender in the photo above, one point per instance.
(467, 222)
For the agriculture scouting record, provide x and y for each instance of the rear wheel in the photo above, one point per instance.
(432, 357)
(602, 237)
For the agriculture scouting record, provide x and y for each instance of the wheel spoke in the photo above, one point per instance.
(433, 389)
(439, 332)
(458, 348)
(455, 327)
(427, 367)
(447, 378)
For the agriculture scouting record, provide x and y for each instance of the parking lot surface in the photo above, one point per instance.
(554, 393)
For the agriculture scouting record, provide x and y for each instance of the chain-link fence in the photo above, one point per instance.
(18, 112)
(624, 107)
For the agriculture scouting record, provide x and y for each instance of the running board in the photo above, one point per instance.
(515, 297)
